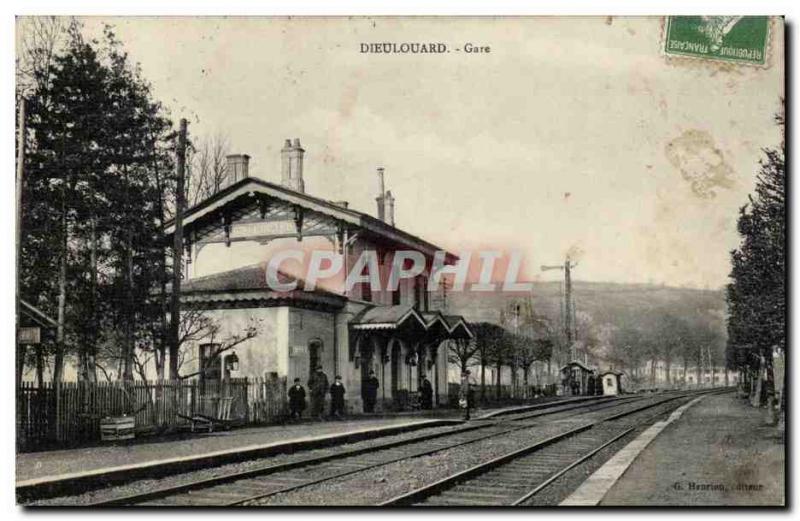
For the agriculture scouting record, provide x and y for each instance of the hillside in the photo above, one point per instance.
(603, 302)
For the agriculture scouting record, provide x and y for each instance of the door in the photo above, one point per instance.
(395, 368)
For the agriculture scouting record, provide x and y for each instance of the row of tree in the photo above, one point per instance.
(757, 292)
(521, 339)
(647, 343)
(690, 339)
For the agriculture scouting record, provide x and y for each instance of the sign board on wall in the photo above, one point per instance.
(29, 335)
(298, 350)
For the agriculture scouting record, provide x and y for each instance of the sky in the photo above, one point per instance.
(571, 135)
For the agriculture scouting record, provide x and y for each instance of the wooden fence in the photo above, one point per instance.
(70, 413)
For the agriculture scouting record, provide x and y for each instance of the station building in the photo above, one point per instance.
(397, 334)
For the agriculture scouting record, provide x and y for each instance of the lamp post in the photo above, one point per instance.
(463, 399)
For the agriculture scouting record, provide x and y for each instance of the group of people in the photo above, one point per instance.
(318, 387)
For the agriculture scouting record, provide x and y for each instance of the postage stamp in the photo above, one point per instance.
(739, 39)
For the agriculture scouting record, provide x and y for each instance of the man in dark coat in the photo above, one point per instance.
(318, 386)
(337, 398)
(297, 399)
(370, 392)
(426, 393)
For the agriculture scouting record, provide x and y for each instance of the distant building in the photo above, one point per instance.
(679, 376)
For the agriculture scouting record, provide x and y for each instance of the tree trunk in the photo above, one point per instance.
(772, 416)
(499, 368)
(128, 341)
(89, 351)
(483, 380)
(58, 363)
(685, 368)
(652, 372)
(39, 365)
(525, 381)
(21, 352)
(699, 375)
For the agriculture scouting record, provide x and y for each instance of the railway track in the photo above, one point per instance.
(516, 477)
(74, 488)
(241, 488)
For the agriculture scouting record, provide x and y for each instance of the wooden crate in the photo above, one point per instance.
(117, 428)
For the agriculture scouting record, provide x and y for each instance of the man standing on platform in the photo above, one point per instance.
(370, 392)
(297, 400)
(337, 398)
(426, 393)
(318, 386)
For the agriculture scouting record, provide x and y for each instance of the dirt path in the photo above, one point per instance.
(718, 453)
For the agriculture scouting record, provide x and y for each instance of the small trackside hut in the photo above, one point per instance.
(230, 239)
(612, 382)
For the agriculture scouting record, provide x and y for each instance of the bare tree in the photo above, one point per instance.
(487, 338)
(40, 38)
(197, 327)
(461, 351)
(207, 168)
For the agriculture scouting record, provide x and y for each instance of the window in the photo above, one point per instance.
(210, 364)
(421, 292)
(366, 287)
(314, 348)
(609, 382)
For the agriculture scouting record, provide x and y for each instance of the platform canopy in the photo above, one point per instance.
(406, 318)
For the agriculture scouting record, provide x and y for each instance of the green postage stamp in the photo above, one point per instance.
(740, 39)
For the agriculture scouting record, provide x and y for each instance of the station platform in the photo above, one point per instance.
(34, 468)
(718, 452)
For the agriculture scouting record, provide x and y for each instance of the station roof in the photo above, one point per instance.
(250, 187)
(579, 364)
(35, 315)
(250, 283)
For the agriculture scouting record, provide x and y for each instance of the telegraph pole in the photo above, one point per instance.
(515, 376)
(177, 254)
(568, 331)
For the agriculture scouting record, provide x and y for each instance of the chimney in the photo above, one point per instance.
(237, 168)
(379, 199)
(388, 212)
(292, 165)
